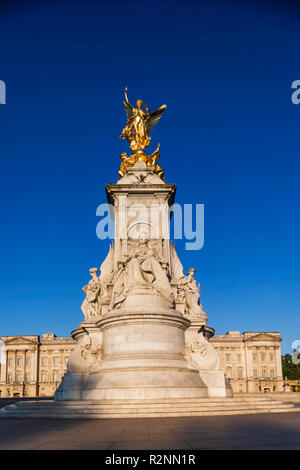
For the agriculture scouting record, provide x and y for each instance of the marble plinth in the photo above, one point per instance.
(142, 358)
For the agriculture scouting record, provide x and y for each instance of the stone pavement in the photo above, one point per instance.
(261, 431)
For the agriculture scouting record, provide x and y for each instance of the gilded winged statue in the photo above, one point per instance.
(139, 123)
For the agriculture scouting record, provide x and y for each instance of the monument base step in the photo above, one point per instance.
(90, 409)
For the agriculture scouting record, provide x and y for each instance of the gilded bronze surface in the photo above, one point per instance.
(139, 124)
(140, 156)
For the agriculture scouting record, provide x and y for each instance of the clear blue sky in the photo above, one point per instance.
(229, 139)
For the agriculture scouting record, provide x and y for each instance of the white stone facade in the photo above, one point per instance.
(251, 360)
(32, 365)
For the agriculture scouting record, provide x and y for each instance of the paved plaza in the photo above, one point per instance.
(261, 431)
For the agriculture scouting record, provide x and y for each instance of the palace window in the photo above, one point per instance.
(19, 361)
(239, 358)
(228, 373)
(272, 373)
(271, 357)
(264, 373)
(55, 377)
(44, 361)
(55, 361)
(10, 362)
(263, 357)
(254, 357)
(240, 373)
(43, 377)
(227, 357)
(255, 373)
(9, 378)
(19, 378)
(27, 361)
(27, 378)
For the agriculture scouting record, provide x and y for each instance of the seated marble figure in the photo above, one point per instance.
(141, 269)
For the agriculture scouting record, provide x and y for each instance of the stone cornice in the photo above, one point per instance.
(157, 189)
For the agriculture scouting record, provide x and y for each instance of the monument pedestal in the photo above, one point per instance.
(142, 358)
(216, 383)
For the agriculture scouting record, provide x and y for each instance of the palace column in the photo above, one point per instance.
(35, 367)
(24, 377)
(4, 365)
(278, 362)
(15, 371)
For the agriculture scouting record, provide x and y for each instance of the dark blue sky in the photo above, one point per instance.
(229, 139)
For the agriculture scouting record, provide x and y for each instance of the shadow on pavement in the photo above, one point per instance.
(261, 431)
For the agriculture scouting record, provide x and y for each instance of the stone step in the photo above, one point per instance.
(121, 406)
(150, 414)
(144, 408)
(128, 402)
(80, 412)
(151, 400)
(187, 410)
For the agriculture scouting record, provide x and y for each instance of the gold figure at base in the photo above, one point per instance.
(140, 156)
(152, 162)
(127, 161)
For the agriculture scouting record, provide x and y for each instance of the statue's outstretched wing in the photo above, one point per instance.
(128, 108)
(155, 117)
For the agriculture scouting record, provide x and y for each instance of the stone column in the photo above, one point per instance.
(248, 362)
(278, 371)
(4, 373)
(278, 362)
(15, 371)
(35, 367)
(24, 378)
(245, 367)
(120, 228)
(5, 368)
(4, 365)
(24, 364)
(23, 372)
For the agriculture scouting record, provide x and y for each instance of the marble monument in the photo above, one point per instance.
(145, 333)
(142, 349)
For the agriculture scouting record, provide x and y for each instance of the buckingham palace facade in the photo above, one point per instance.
(33, 366)
(251, 361)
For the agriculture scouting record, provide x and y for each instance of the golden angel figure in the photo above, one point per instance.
(139, 123)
